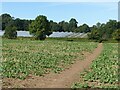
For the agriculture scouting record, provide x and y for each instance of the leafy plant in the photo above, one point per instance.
(24, 57)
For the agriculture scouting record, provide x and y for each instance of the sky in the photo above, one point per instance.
(84, 12)
(60, 0)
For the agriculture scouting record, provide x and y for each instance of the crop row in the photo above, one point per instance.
(23, 57)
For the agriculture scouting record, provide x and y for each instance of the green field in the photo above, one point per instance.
(103, 72)
(22, 58)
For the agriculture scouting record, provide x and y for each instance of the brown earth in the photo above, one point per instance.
(63, 80)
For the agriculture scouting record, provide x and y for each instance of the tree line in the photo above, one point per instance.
(40, 27)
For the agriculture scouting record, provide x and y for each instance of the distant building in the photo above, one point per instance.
(54, 34)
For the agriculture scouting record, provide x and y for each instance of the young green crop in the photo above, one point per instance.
(24, 57)
(103, 72)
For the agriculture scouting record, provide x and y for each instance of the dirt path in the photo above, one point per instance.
(63, 80)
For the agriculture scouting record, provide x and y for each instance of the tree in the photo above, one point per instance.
(66, 27)
(83, 28)
(54, 26)
(98, 32)
(22, 24)
(98, 25)
(116, 35)
(26, 24)
(61, 26)
(104, 31)
(19, 24)
(72, 24)
(10, 31)
(6, 18)
(118, 25)
(94, 35)
(0, 23)
(40, 27)
(110, 27)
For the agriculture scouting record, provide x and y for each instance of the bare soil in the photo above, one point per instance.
(63, 80)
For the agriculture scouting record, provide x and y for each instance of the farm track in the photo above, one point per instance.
(63, 80)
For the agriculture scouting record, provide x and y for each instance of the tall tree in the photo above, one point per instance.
(66, 27)
(104, 31)
(72, 24)
(83, 28)
(61, 26)
(26, 25)
(94, 34)
(22, 24)
(98, 25)
(19, 24)
(116, 35)
(6, 18)
(10, 31)
(110, 27)
(54, 26)
(0, 23)
(118, 25)
(40, 27)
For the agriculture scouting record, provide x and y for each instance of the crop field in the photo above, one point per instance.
(22, 58)
(103, 72)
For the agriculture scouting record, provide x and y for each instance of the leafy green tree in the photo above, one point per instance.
(0, 23)
(6, 18)
(26, 24)
(94, 34)
(22, 24)
(10, 31)
(72, 24)
(110, 27)
(105, 31)
(61, 26)
(116, 35)
(19, 24)
(98, 32)
(54, 26)
(40, 27)
(83, 28)
(66, 27)
(118, 25)
(98, 25)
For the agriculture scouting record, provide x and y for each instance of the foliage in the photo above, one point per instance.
(10, 31)
(19, 24)
(0, 23)
(40, 57)
(61, 24)
(116, 35)
(72, 24)
(6, 18)
(83, 28)
(80, 85)
(64, 26)
(22, 25)
(40, 27)
(54, 26)
(94, 35)
(99, 32)
(103, 31)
